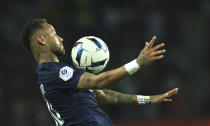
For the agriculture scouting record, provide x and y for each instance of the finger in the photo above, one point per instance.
(160, 98)
(167, 100)
(158, 46)
(146, 45)
(158, 52)
(172, 92)
(152, 41)
(157, 57)
(164, 97)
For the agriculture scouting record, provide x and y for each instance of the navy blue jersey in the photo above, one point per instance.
(68, 105)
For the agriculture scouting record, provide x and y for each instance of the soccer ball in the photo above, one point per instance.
(91, 54)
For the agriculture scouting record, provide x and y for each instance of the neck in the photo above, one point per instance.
(45, 56)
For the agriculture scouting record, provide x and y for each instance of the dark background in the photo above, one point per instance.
(183, 25)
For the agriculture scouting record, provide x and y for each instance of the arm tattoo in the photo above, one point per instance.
(107, 76)
(87, 78)
(125, 99)
(113, 97)
(143, 57)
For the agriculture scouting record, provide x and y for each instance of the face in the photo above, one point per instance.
(53, 42)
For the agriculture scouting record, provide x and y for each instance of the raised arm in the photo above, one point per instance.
(112, 97)
(100, 81)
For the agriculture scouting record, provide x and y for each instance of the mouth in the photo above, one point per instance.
(62, 48)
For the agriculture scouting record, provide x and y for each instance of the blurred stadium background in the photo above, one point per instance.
(125, 25)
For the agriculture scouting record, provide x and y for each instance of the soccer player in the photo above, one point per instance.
(71, 94)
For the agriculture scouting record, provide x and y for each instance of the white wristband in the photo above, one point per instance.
(132, 67)
(143, 99)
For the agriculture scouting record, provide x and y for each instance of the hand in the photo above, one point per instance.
(163, 97)
(150, 54)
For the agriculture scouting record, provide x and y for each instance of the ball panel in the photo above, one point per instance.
(90, 46)
(85, 59)
(79, 54)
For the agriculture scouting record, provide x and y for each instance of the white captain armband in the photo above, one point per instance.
(132, 67)
(143, 99)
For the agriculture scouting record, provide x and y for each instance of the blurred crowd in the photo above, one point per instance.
(183, 25)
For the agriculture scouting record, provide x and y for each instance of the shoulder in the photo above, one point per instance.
(56, 71)
(52, 67)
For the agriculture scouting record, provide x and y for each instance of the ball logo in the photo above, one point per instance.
(66, 73)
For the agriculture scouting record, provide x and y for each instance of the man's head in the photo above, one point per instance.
(38, 35)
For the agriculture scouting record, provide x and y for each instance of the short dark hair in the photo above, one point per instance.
(28, 29)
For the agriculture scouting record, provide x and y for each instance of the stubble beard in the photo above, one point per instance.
(60, 52)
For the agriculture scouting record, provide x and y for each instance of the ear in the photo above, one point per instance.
(40, 39)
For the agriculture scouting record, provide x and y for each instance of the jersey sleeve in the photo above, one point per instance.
(68, 77)
(58, 76)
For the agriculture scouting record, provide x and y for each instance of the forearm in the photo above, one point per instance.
(146, 56)
(100, 81)
(106, 78)
(112, 97)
